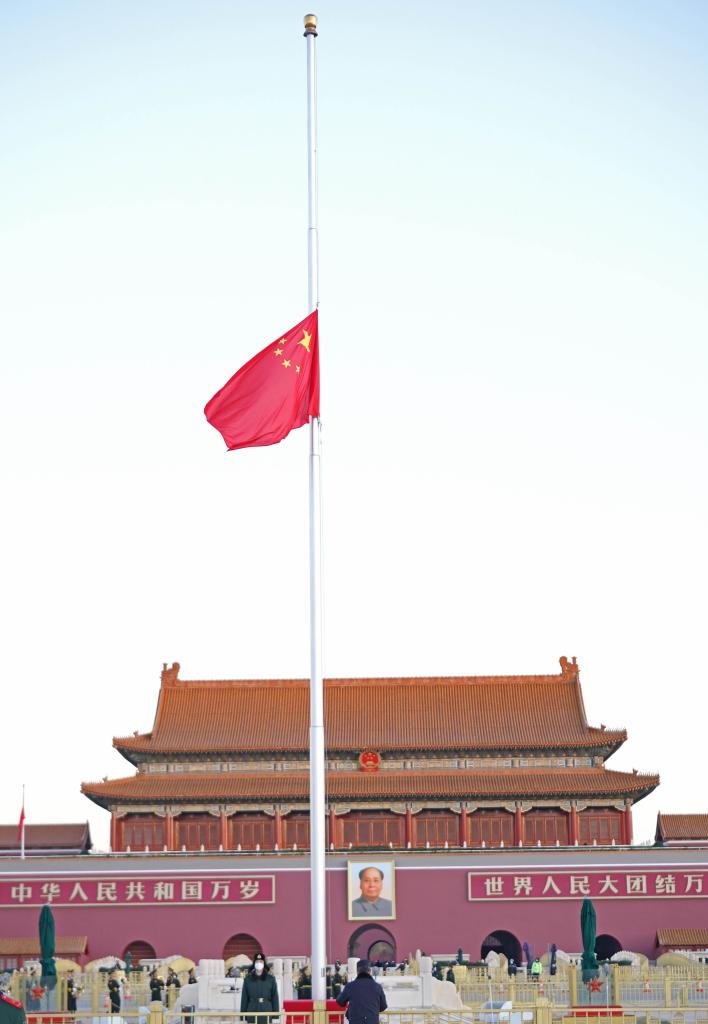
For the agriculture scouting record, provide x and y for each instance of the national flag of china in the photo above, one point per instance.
(276, 391)
(22, 822)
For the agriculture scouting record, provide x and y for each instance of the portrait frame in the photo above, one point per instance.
(387, 868)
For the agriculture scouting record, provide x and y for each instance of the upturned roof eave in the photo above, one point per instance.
(640, 794)
(608, 745)
(650, 782)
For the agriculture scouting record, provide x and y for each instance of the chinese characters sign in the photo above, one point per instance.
(83, 891)
(598, 885)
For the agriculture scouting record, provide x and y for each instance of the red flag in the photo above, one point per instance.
(22, 823)
(276, 391)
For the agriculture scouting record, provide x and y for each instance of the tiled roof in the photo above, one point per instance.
(65, 945)
(75, 836)
(428, 713)
(675, 827)
(257, 787)
(682, 937)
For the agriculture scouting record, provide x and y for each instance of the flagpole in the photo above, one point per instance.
(22, 825)
(318, 952)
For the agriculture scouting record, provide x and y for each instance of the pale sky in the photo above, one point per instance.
(513, 327)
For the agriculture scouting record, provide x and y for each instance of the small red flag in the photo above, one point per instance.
(276, 391)
(22, 822)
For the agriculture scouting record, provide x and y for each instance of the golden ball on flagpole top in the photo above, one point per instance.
(310, 24)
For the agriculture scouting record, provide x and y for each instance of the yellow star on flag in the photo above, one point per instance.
(259, 405)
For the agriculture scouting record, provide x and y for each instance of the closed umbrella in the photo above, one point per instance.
(588, 931)
(46, 950)
(527, 954)
(47, 942)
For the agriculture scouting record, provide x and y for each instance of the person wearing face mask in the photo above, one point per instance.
(260, 991)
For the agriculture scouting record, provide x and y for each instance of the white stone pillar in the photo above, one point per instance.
(426, 981)
(276, 969)
(288, 990)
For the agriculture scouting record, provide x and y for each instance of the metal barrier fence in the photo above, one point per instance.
(557, 990)
(540, 1013)
(625, 986)
(629, 1015)
(91, 993)
(643, 989)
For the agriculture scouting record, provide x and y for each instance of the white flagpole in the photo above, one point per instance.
(318, 952)
(22, 829)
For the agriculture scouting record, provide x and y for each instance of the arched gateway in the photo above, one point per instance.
(372, 942)
(504, 942)
(139, 950)
(606, 946)
(241, 944)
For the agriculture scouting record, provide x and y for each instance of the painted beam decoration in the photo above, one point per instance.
(574, 885)
(136, 890)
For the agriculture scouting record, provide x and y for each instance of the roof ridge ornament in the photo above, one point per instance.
(569, 669)
(169, 675)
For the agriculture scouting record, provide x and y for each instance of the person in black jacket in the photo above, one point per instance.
(363, 997)
(260, 991)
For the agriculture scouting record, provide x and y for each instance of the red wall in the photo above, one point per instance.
(433, 911)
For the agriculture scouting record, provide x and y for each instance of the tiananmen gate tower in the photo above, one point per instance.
(411, 764)
(481, 806)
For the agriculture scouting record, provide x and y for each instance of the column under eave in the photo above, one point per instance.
(627, 823)
(409, 826)
(573, 824)
(463, 825)
(223, 830)
(114, 832)
(170, 830)
(518, 825)
(278, 823)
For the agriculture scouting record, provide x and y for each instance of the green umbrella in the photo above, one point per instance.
(46, 942)
(128, 962)
(588, 930)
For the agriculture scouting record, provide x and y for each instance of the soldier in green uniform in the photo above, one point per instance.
(260, 990)
(114, 992)
(72, 991)
(172, 986)
(304, 984)
(338, 981)
(156, 986)
(11, 1012)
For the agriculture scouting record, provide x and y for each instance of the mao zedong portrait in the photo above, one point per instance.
(371, 903)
